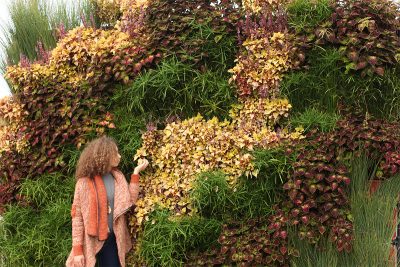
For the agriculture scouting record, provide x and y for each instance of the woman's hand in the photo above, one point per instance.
(142, 164)
(79, 261)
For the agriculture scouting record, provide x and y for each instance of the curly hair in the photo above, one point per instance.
(96, 158)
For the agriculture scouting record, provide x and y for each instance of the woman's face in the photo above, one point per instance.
(116, 158)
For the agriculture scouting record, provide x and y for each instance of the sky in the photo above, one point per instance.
(4, 18)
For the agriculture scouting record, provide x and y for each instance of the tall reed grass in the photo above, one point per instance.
(34, 21)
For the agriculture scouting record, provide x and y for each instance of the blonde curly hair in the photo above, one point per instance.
(96, 158)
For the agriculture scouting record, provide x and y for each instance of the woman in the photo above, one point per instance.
(102, 197)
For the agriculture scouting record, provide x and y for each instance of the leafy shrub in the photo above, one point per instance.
(253, 242)
(64, 98)
(266, 53)
(318, 202)
(185, 148)
(193, 31)
(260, 67)
(101, 56)
(365, 31)
(107, 11)
(12, 119)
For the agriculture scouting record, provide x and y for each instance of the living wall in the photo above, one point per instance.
(265, 123)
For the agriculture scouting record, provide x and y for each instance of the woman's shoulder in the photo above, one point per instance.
(117, 172)
(81, 182)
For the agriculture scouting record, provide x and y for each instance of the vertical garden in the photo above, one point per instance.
(271, 127)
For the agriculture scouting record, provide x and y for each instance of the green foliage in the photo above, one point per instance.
(38, 234)
(312, 118)
(213, 197)
(70, 157)
(274, 163)
(166, 240)
(312, 255)
(176, 88)
(373, 215)
(325, 85)
(47, 189)
(127, 134)
(307, 88)
(34, 21)
(307, 14)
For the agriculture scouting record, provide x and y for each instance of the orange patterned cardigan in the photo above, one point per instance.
(82, 243)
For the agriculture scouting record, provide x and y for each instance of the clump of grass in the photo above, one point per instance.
(47, 189)
(373, 214)
(318, 86)
(166, 240)
(212, 195)
(274, 164)
(215, 199)
(177, 88)
(324, 254)
(372, 219)
(307, 14)
(312, 118)
(39, 234)
(70, 157)
(34, 21)
(325, 84)
(128, 135)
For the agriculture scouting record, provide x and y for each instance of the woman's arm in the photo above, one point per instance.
(134, 184)
(134, 188)
(77, 221)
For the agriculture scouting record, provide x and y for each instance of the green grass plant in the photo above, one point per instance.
(37, 20)
(311, 255)
(308, 14)
(39, 234)
(274, 164)
(128, 136)
(313, 118)
(325, 86)
(166, 239)
(215, 199)
(176, 88)
(372, 216)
